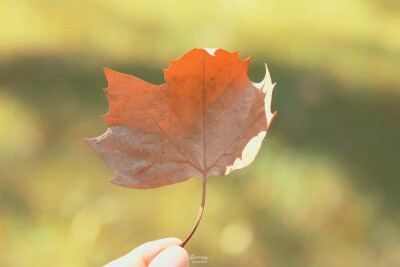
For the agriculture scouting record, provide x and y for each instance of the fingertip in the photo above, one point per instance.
(149, 251)
(160, 244)
(172, 240)
(174, 256)
(145, 253)
(177, 250)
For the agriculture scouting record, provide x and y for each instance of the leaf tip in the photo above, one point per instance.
(270, 119)
(109, 73)
(91, 142)
(267, 82)
(105, 118)
(106, 70)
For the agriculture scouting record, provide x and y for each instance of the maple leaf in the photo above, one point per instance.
(208, 119)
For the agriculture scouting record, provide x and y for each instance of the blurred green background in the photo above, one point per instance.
(324, 190)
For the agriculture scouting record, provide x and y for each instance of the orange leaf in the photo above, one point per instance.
(207, 119)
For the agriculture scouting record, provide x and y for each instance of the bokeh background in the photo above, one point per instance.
(324, 190)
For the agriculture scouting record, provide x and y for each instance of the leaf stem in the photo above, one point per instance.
(203, 200)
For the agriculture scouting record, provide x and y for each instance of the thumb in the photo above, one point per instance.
(173, 256)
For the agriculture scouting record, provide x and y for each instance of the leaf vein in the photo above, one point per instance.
(176, 147)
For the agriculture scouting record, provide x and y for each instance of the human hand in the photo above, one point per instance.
(160, 253)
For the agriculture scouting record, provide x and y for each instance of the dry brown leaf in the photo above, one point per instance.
(207, 119)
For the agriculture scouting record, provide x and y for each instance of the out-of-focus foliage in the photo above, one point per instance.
(324, 191)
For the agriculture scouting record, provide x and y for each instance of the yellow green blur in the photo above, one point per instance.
(324, 190)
